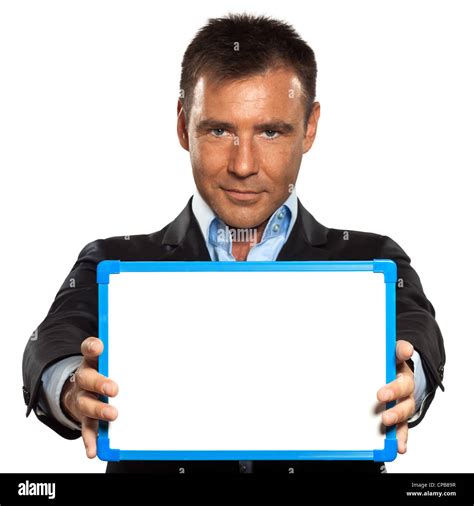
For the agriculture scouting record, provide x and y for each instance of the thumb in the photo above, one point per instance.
(404, 351)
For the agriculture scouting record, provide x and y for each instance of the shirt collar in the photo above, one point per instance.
(205, 215)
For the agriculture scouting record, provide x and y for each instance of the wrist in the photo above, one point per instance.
(65, 400)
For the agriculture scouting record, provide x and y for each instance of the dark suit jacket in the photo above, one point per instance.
(73, 314)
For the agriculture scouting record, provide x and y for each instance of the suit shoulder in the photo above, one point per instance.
(338, 233)
(355, 244)
(128, 247)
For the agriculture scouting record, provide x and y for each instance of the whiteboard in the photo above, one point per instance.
(247, 360)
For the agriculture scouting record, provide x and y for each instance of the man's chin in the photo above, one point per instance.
(242, 221)
(243, 215)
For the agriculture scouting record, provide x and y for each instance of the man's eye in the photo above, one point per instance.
(271, 134)
(218, 132)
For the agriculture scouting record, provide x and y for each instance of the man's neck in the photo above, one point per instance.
(240, 249)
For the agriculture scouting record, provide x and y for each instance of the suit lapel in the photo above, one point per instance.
(306, 239)
(184, 241)
(183, 238)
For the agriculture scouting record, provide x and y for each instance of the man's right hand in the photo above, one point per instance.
(79, 396)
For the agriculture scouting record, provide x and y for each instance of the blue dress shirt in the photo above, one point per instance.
(218, 236)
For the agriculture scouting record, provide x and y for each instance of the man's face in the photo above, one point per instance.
(246, 139)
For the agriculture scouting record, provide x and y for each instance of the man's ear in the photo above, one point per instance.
(181, 127)
(311, 127)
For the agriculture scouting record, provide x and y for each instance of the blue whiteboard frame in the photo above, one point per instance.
(385, 266)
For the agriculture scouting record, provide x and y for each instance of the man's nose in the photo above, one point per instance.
(242, 162)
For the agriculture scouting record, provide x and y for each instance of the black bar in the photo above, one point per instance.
(221, 489)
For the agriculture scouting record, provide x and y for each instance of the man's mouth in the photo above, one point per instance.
(241, 195)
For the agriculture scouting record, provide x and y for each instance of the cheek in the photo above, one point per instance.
(281, 161)
(208, 158)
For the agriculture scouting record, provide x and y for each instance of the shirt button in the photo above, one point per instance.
(276, 227)
(280, 215)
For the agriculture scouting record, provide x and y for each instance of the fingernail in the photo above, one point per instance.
(386, 395)
(108, 389)
(391, 418)
(108, 412)
(90, 346)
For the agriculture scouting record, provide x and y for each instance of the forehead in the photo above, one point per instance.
(275, 92)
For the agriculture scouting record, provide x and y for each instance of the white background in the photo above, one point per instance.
(247, 379)
(88, 150)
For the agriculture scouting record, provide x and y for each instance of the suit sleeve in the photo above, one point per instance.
(416, 322)
(71, 318)
(54, 378)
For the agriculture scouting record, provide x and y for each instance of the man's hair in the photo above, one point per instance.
(241, 45)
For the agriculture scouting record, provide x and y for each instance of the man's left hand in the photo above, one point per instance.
(401, 390)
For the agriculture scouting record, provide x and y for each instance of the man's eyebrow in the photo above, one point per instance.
(280, 126)
(277, 125)
(210, 124)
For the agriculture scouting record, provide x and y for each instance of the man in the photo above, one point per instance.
(246, 114)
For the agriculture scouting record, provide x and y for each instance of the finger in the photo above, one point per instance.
(404, 350)
(401, 387)
(402, 437)
(401, 412)
(88, 405)
(89, 436)
(91, 348)
(89, 379)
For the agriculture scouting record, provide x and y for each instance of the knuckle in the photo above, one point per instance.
(405, 410)
(98, 410)
(97, 383)
(397, 412)
(409, 388)
(79, 377)
(81, 403)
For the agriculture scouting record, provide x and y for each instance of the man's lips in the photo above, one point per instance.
(242, 195)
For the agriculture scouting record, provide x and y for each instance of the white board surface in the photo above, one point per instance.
(247, 360)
